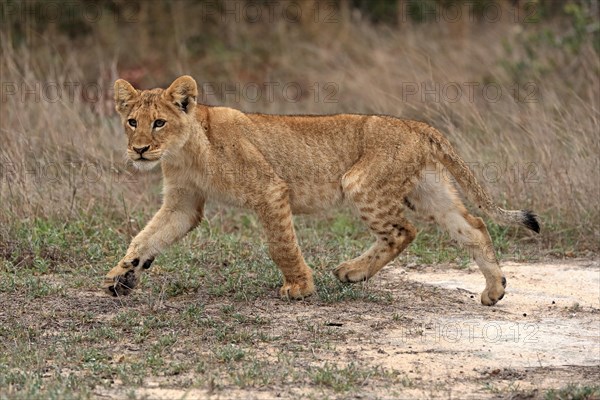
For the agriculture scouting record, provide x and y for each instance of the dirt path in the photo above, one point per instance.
(544, 334)
(549, 322)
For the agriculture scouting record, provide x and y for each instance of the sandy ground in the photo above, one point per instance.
(544, 334)
(549, 319)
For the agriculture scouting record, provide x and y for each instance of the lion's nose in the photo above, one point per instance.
(141, 150)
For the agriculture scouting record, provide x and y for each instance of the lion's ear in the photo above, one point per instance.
(124, 94)
(183, 93)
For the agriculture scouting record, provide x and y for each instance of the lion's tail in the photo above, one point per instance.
(444, 152)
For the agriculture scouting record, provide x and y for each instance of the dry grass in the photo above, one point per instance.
(536, 147)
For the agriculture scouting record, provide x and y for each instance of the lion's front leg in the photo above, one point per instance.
(180, 213)
(276, 217)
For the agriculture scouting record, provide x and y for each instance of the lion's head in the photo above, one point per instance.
(157, 121)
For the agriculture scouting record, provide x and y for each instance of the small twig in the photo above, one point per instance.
(72, 200)
(129, 227)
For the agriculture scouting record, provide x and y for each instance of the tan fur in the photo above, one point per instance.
(278, 165)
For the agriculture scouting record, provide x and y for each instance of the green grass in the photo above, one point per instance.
(574, 392)
(198, 320)
(346, 378)
(224, 257)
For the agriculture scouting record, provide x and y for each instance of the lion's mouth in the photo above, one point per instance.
(143, 158)
(145, 164)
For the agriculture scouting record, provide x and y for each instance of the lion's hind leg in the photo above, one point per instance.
(378, 201)
(434, 197)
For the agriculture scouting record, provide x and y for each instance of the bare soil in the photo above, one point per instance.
(434, 334)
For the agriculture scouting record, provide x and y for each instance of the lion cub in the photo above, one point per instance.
(276, 165)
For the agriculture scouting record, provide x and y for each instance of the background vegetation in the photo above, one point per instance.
(514, 85)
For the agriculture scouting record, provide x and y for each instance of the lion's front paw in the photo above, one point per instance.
(297, 290)
(121, 285)
(489, 297)
(121, 280)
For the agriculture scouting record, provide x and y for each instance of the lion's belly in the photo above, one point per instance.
(310, 197)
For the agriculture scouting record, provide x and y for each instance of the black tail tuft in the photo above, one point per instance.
(530, 220)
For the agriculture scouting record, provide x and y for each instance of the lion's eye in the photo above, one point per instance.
(132, 123)
(159, 123)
